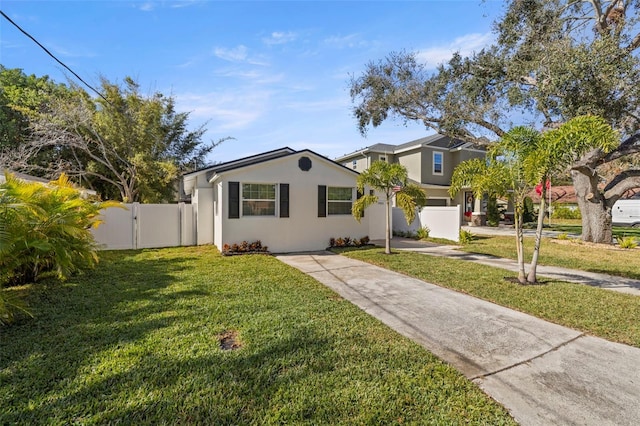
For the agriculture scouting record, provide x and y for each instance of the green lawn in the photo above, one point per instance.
(137, 341)
(574, 226)
(565, 253)
(610, 315)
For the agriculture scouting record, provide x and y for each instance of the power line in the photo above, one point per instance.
(53, 56)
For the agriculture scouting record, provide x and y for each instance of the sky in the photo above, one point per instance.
(269, 74)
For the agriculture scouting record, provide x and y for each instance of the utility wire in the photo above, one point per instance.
(53, 56)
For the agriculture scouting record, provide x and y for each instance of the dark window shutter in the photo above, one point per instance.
(284, 200)
(234, 200)
(322, 201)
(358, 196)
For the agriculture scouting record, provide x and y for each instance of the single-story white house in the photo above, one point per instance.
(289, 200)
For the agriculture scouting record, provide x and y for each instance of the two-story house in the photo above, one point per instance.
(430, 162)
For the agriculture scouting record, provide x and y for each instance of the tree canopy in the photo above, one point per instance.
(125, 145)
(553, 60)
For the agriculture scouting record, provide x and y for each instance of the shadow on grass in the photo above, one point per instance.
(77, 320)
(215, 387)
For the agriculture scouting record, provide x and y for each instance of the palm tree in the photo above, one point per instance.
(391, 180)
(502, 173)
(555, 151)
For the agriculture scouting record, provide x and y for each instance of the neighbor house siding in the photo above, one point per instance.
(413, 163)
(427, 174)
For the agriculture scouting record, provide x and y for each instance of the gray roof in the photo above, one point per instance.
(437, 141)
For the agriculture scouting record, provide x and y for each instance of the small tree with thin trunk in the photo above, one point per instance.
(391, 180)
(502, 173)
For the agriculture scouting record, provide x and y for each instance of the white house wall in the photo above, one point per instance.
(303, 230)
(217, 213)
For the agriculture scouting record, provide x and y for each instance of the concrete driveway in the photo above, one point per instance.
(541, 372)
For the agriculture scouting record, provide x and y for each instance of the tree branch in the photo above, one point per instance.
(629, 146)
(629, 179)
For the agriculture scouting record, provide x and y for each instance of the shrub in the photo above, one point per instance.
(628, 243)
(563, 236)
(45, 229)
(244, 247)
(465, 237)
(559, 211)
(9, 306)
(493, 212)
(348, 242)
(528, 214)
(423, 232)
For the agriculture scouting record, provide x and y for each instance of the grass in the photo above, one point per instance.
(569, 254)
(607, 314)
(574, 226)
(137, 341)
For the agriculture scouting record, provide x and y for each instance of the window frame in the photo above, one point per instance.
(339, 201)
(274, 200)
(433, 163)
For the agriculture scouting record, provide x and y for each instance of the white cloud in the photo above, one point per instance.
(238, 54)
(348, 41)
(255, 76)
(278, 37)
(76, 52)
(466, 45)
(225, 110)
(146, 6)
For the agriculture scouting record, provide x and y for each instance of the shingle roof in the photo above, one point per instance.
(245, 161)
(437, 140)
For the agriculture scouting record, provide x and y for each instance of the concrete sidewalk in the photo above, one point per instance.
(541, 372)
(604, 281)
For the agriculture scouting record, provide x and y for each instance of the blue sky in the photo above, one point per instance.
(268, 73)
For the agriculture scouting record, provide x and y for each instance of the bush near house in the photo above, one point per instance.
(244, 247)
(558, 211)
(44, 230)
(348, 242)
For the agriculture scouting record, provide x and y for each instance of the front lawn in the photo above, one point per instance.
(607, 314)
(565, 253)
(138, 341)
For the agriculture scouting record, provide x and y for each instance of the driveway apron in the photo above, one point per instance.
(541, 372)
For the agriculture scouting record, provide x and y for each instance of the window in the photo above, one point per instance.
(339, 200)
(258, 199)
(437, 163)
(383, 159)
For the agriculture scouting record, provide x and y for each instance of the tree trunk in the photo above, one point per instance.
(531, 278)
(596, 213)
(387, 234)
(517, 220)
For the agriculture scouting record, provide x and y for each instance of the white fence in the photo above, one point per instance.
(146, 226)
(443, 222)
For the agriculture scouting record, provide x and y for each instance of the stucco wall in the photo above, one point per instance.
(427, 167)
(303, 230)
(413, 162)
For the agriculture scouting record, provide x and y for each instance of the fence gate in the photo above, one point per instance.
(146, 226)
